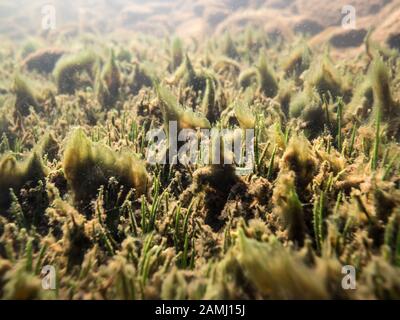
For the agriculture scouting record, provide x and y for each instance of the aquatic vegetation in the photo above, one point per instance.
(362, 101)
(300, 101)
(208, 105)
(140, 78)
(266, 79)
(14, 175)
(177, 54)
(229, 48)
(392, 238)
(314, 114)
(285, 95)
(67, 70)
(25, 98)
(22, 285)
(88, 166)
(384, 108)
(214, 183)
(320, 190)
(75, 237)
(247, 77)
(298, 158)
(244, 115)
(272, 270)
(48, 147)
(189, 76)
(383, 101)
(326, 79)
(192, 78)
(108, 83)
(43, 60)
(289, 208)
(173, 111)
(298, 61)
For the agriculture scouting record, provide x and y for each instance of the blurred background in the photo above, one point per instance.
(321, 20)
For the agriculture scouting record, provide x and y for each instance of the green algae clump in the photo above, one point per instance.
(267, 82)
(173, 111)
(67, 70)
(88, 166)
(16, 174)
(109, 83)
(25, 96)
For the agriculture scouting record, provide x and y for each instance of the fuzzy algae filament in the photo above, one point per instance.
(88, 166)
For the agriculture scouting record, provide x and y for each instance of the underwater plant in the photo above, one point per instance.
(108, 83)
(14, 175)
(385, 109)
(317, 189)
(362, 101)
(277, 273)
(267, 83)
(314, 114)
(43, 60)
(228, 47)
(289, 208)
(209, 105)
(244, 115)
(75, 235)
(190, 77)
(24, 96)
(20, 284)
(173, 111)
(392, 238)
(247, 77)
(298, 61)
(88, 166)
(139, 78)
(177, 54)
(298, 158)
(67, 70)
(325, 78)
(212, 182)
(48, 147)
(383, 100)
